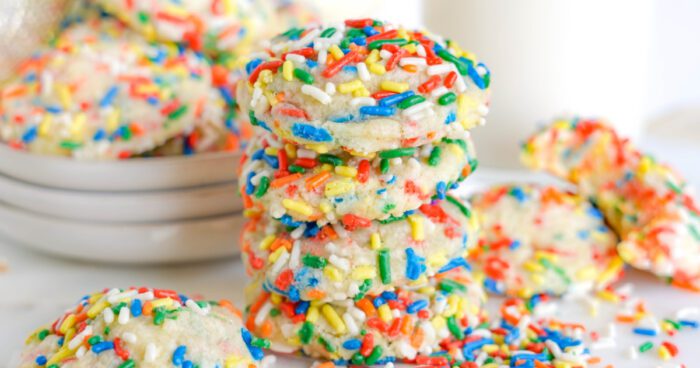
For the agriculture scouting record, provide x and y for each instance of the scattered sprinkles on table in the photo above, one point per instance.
(370, 329)
(99, 91)
(343, 260)
(540, 239)
(364, 86)
(648, 204)
(144, 327)
(285, 180)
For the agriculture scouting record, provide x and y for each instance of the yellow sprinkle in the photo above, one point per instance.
(336, 52)
(271, 151)
(45, 125)
(427, 290)
(251, 212)
(437, 259)
(411, 48)
(288, 70)
(546, 255)
(113, 121)
(312, 314)
(234, 361)
(297, 206)
(338, 187)
(533, 266)
(60, 355)
(318, 147)
(266, 76)
(363, 273)
(561, 364)
(456, 150)
(162, 302)
(67, 323)
(438, 322)
(385, 313)
(375, 241)
(417, 231)
(326, 167)
(377, 69)
(360, 92)
(290, 150)
(347, 171)
(586, 273)
(392, 86)
(325, 206)
(270, 97)
(274, 256)
(332, 273)
(348, 87)
(373, 57)
(452, 305)
(490, 348)
(333, 319)
(275, 298)
(265, 243)
(613, 269)
(537, 278)
(608, 296)
(64, 95)
(97, 308)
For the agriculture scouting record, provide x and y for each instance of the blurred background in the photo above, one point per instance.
(626, 60)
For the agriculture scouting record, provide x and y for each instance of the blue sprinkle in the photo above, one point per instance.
(512, 336)
(352, 344)
(109, 97)
(515, 244)
(311, 230)
(688, 323)
(441, 190)
(583, 234)
(41, 360)
(257, 155)
(342, 119)
(152, 100)
(31, 77)
(311, 64)
(310, 132)
(409, 212)
(391, 180)
(492, 286)
(454, 263)
(293, 294)
(187, 364)
(30, 134)
(350, 69)
(518, 193)
(99, 135)
(450, 118)
(370, 31)
(250, 67)
(102, 346)
(53, 109)
(378, 302)
(255, 351)
(414, 264)
(302, 307)
(388, 295)
(416, 306)
(227, 96)
(136, 308)
(595, 213)
(271, 161)
(644, 331)
(249, 187)
(469, 347)
(377, 110)
(359, 41)
(179, 355)
(381, 191)
(287, 220)
(396, 98)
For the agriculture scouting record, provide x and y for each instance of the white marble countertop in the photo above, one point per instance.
(35, 288)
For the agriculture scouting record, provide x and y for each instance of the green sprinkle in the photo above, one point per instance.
(328, 32)
(70, 145)
(178, 112)
(410, 101)
(95, 340)
(143, 17)
(646, 346)
(128, 364)
(294, 169)
(260, 343)
(159, 316)
(460, 142)
(106, 331)
(449, 286)
(357, 359)
(253, 119)
(462, 208)
(354, 32)
(53, 366)
(345, 43)
(293, 32)
(312, 261)
(398, 152)
(274, 312)
(374, 356)
(306, 332)
(388, 207)
(676, 325)
(326, 344)
(42, 334)
(392, 219)
(118, 307)
(394, 41)
(447, 98)
(454, 328)
(366, 285)
(303, 76)
(445, 55)
(694, 231)
(434, 158)
(326, 158)
(385, 266)
(674, 187)
(262, 187)
(383, 166)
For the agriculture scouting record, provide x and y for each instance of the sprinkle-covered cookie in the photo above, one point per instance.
(336, 262)
(537, 240)
(648, 204)
(143, 327)
(285, 180)
(100, 91)
(370, 329)
(364, 86)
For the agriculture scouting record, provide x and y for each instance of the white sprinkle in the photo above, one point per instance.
(279, 263)
(257, 94)
(420, 50)
(268, 361)
(340, 230)
(108, 315)
(688, 312)
(305, 153)
(195, 307)
(294, 256)
(81, 352)
(322, 56)
(632, 353)
(330, 88)
(439, 69)
(255, 180)
(145, 296)
(350, 324)
(296, 58)
(78, 339)
(363, 101)
(298, 232)
(413, 61)
(124, 315)
(262, 314)
(384, 54)
(113, 299)
(407, 350)
(339, 262)
(151, 353)
(362, 72)
(437, 92)
(316, 93)
(417, 108)
(129, 337)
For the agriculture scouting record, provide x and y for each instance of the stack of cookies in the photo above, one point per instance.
(355, 248)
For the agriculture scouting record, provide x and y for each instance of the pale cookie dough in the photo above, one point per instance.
(364, 86)
(540, 239)
(102, 92)
(287, 181)
(648, 204)
(407, 324)
(144, 328)
(331, 263)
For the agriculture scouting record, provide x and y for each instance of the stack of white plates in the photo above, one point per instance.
(151, 210)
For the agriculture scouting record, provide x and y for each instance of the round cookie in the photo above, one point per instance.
(331, 263)
(410, 323)
(144, 328)
(287, 181)
(213, 26)
(648, 204)
(538, 240)
(364, 86)
(101, 92)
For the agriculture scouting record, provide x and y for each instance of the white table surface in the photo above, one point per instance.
(35, 288)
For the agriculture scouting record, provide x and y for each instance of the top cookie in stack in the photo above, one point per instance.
(361, 129)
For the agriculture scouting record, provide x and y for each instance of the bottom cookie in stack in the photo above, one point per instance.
(405, 324)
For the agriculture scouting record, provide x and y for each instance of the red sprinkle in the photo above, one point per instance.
(430, 84)
(363, 171)
(353, 222)
(336, 67)
(359, 23)
(367, 345)
(450, 79)
(270, 65)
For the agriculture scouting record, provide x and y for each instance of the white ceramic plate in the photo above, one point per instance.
(126, 175)
(164, 242)
(132, 207)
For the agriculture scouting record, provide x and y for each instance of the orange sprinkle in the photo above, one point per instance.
(266, 329)
(367, 307)
(259, 303)
(280, 182)
(625, 318)
(594, 360)
(317, 180)
(147, 308)
(407, 325)
(326, 365)
(316, 294)
(410, 68)
(417, 338)
(230, 307)
(280, 242)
